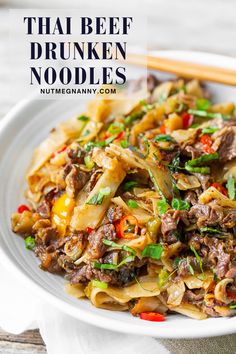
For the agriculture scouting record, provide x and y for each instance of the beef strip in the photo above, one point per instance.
(96, 247)
(87, 272)
(191, 197)
(206, 214)
(169, 224)
(75, 155)
(44, 208)
(217, 255)
(229, 220)
(194, 298)
(75, 181)
(225, 143)
(49, 261)
(114, 213)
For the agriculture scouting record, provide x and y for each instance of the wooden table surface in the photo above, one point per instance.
(205, 25)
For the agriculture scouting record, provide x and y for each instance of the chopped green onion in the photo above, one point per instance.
(206, 114)
(97, 199)
(121, 247)
(134, 149)
(83, 118)
(124, 144)
(189, 266)
(88, 162)
(231, 187)
(198, 258)
(203, 158)
(133, 116)
(180, 204)
(233, 306)
(130, 185)
(116, 127)
(209, 229)
(132, 204)
(106, 141)
(113, 266)
(174, 166)
(86, 133)
(162, 206)
(153, 251)
(99, 284)
(89, 146)
(30, 243)
(156, 184)
(209, 130)
(194, 125)
(202, 170)
(146, 106)
(176, 262)
(202, 104)
(163, 277)
(163, 137)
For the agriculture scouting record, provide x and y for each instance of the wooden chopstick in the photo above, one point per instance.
(185, 68)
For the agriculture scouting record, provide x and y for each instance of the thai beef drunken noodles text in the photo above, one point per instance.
(134, 202)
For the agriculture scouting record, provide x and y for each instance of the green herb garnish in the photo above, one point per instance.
(156, 184)
(209, 229)
(120, 247)
(83, 118)
(231, 187)
(163, 137)
(209, 130)
(124, 144)
(198, 258)
(189, 266)
(132, 204)
(205, 114)
(202, 104)
(97, 199)
(30, 243)
(130, 185)
(99, 284)
(233, 306)
(162, 206)
(113, 266)
(202, 170)
(153, 251)
(180, 204)
(88, 162)
(133, 116)
(116, 128)
(163, 277)
(203, 158)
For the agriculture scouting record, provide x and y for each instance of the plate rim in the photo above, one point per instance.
(97, 319)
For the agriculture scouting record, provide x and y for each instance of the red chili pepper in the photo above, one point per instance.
(231, 294)
(89, 230)
(163, 129)
(105, 137)
(207, 142)
(117, 227)
(120, 136)
(187, 120)
(58, 151)
(220, 188)
(23, 208)
(152, 316)
(128, 227)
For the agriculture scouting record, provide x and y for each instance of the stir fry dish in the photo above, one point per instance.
(133, 201)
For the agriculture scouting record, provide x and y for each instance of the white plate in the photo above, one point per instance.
(23, 129)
